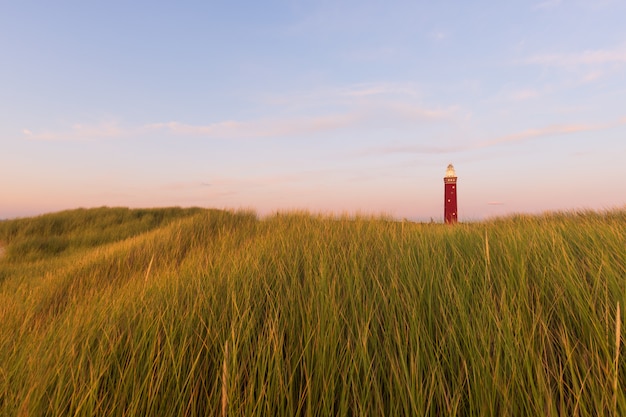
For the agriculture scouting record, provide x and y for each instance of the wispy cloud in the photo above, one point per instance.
(314, 112)
(380, 53)
(590, 57)
(552, 130)
(410, 90)
(415, 113)
(593, 76)
(187, 185)
(263, 128)
(535, 133)
(547, 4)
(347, 96)
(419, 148)
(355, 107)
(525, 94)
(438, 35)
(302, 126)
(81, 132)
(218, 188)
(213, 129)
(370, 102)
(517, 137)
(228, 129)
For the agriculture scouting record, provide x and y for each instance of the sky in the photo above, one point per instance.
(330, 106)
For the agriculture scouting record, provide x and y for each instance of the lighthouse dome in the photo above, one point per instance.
(450, 171)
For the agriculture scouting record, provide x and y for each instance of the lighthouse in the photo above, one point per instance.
(450, 213)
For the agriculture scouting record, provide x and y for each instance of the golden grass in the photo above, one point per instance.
(207, 312)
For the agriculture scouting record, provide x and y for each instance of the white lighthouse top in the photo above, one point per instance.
(450, 171)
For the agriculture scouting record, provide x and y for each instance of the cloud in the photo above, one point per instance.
(411, 149)
(229, 129)
(381, 53)
(526, 94)
(535, 133)
(188, 185)
(592, 76)
(81, 132)
(517, 137)
(349, 96)
(593, 57)
(547, 4)
(262, 128)
(552, 130)
(374, 89)
(438, 35)
(358, 107)
(214, 129)
(413, 113)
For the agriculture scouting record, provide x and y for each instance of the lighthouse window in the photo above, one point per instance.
(448, 200)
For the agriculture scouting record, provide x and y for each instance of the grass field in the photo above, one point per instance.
(171, 312)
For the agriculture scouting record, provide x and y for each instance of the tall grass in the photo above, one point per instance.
(220, 313)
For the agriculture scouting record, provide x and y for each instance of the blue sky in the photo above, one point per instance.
(331, 106)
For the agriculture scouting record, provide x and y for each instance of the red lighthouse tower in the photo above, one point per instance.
(450, 213)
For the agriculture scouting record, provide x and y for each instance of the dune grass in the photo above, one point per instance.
(205, 312)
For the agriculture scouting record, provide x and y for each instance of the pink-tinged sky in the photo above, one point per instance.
(331, 106)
